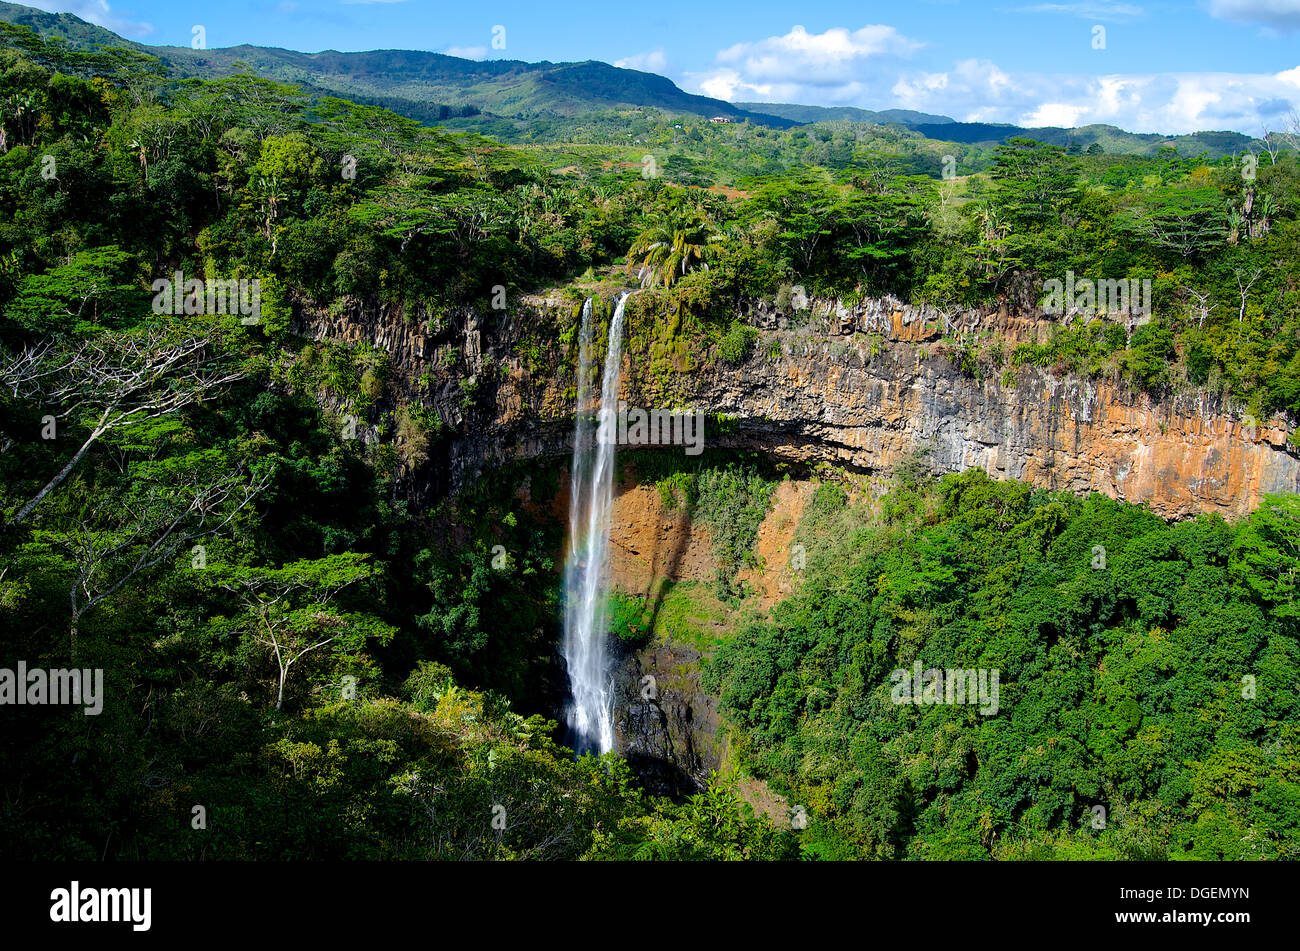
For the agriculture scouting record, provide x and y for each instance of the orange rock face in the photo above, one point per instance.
(863, 387)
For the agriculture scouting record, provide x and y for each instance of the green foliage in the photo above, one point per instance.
(737, 343)
(255, 645)
(677, 490)
(276, 312)
(1087, 348)
(95, 289)
(1150, 351)
(628, 621)
(732, 502)
(715, 825)
(1158, 682)
(672, 244)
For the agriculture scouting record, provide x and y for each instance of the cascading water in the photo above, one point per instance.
(591, 495)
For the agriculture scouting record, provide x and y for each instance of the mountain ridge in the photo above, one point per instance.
(430, 86)
(946, 129)
(505, 87)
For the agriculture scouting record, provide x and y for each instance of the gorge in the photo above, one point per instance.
(575, 484)
(863, 390)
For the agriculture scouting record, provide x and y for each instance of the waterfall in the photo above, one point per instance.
(586, 572)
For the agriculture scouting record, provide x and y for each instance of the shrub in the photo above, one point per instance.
(733, 502)
(677, 490)
(737, 343)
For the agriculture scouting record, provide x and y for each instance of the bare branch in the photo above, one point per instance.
(115, 381)
(159, 526)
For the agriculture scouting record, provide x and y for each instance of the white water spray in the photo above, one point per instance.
(586, 572)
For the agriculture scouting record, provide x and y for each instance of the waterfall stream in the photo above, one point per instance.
(586, 572)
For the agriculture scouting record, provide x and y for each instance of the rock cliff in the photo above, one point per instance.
(861, 387)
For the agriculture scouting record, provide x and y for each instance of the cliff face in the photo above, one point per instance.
(863, 388)
(665, 723)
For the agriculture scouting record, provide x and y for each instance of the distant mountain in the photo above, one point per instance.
(409, 81)
(433, 87)
(502, 87)
(1110, 138)
(806, 114)
(945, 129)
(75, 30)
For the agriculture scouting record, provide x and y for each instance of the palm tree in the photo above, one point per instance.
(270, 193)
(674, 242)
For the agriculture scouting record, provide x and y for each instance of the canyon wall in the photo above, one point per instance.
(861, 387)
(864, 388)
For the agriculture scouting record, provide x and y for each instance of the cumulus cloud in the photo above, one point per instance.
(839, 66)
(97, 12)
(979, 91)
(870, 68)
(1277, 14)
(652, 61)
(824, 58)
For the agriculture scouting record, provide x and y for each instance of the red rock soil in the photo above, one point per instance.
(650, 544)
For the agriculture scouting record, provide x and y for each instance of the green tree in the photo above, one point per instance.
(1266, 554)
(290, 611)
(94, 289)
(672, 244)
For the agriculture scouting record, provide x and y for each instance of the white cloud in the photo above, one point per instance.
(819, 58)
(97, 12)
(651, 61)
(730, 85)
(978, 91)
(1278, 14)
(467, 52)
(839, 66)
(1056, 113)
(869, 68)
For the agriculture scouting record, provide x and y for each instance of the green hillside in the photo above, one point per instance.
(806, 114)
(251, 530)
(1109, 138)
(410, 81)
(72, 29)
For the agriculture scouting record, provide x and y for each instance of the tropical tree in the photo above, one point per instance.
(804, 210)
(167, 505)
(674, 243)
(1189, 222)
(1266, 554)
(877, 230)
(291, 611)
(112, 383)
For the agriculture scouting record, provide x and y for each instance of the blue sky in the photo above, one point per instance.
(1145, 66)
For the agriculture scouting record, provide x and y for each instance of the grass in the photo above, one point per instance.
(688, 614)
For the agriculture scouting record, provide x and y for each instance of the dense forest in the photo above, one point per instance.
(330, 671)
(1147, 668)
